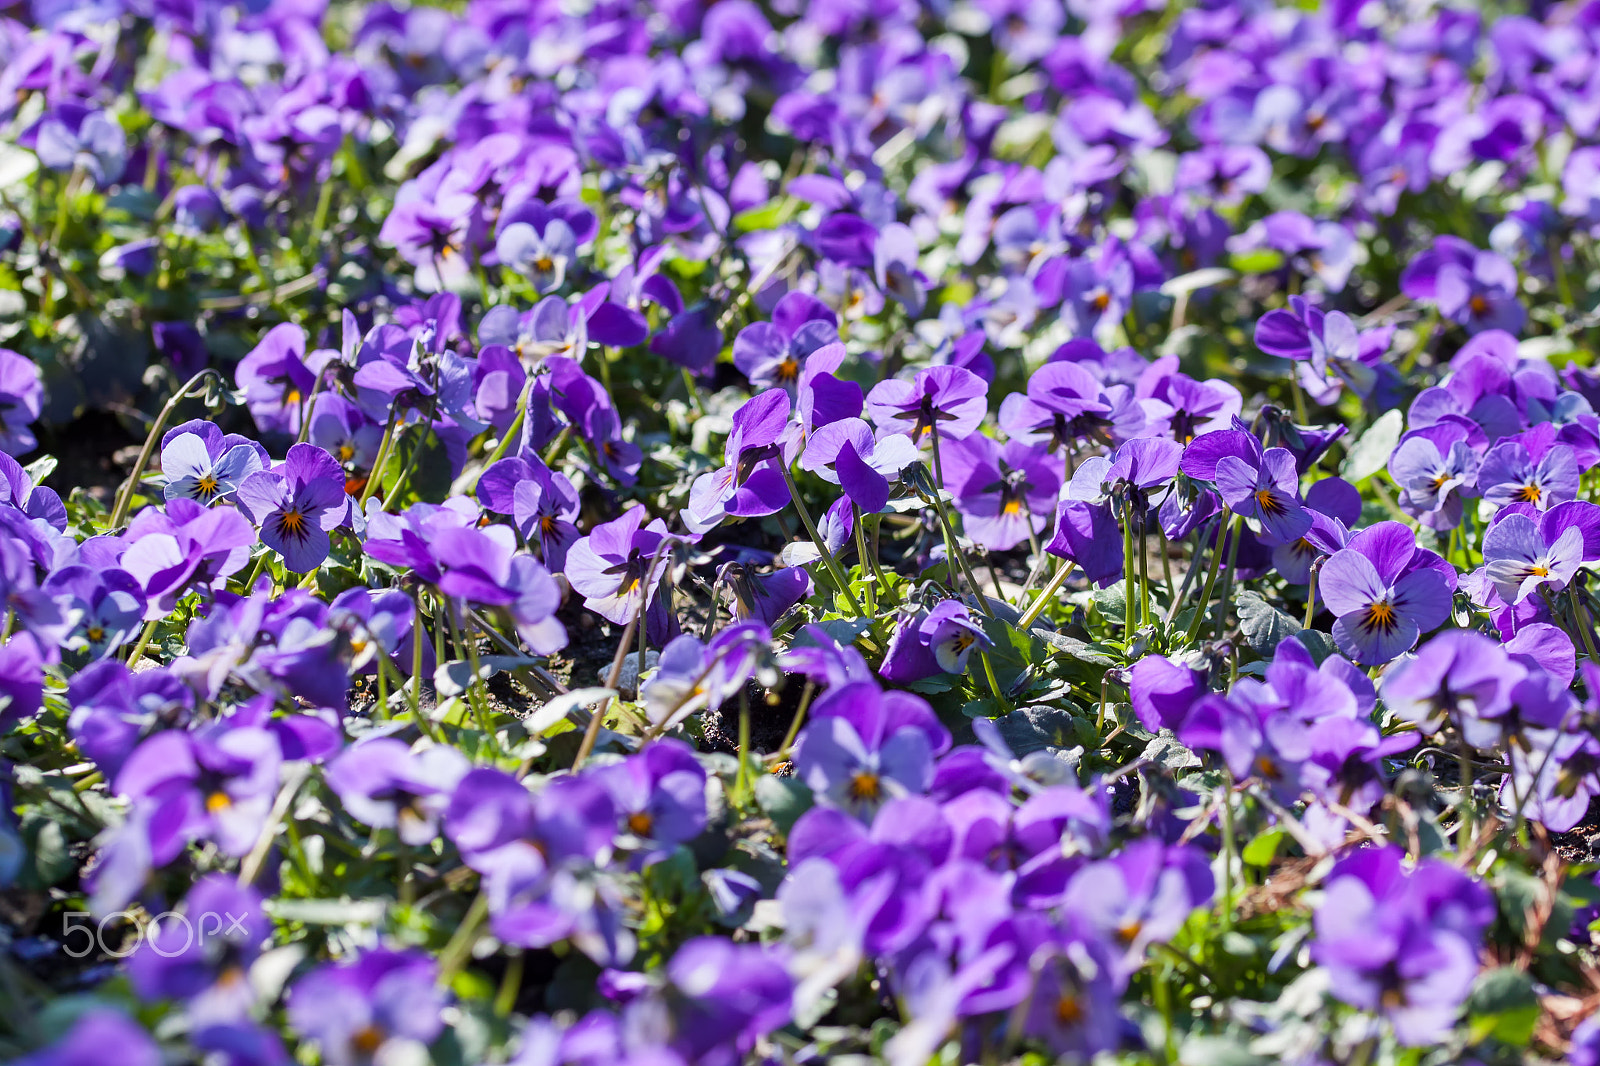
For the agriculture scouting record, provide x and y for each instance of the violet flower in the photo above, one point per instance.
(1522, 555)
(1473, 287)
(540, 254)
(94, 1032)
(382, 1005)
(296, 505)
(772, 354)
(1003, 492)
(1401, 944)
(200, 463)
(205, 958)
(660, 797)
(1384, 600)
(21, 400)
(844, 453)
(542, 503)
(751, 481)
(1262, 486)
(1510, 474)
(928, 643)
(618, 567)
(1090, 535)
(384, 784)
(864, 746)
(1432, 484)
(947, 400)
(764, 598)
(276, 380)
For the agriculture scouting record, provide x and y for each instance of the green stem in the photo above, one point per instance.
(1128, 612)
(125, 497)
(1311, 597)
(1046, 594)
(506, 438)
(1144, 573)
(816, 538)
(144, 641)
(459, 949)
(1211, 580)
(382, 459)
(1227, 853)
(799, 719)
(1580, 621)
(1227, 577)
(861, 551)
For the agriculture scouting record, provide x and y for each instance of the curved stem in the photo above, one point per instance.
(1046, 594)
(816, 538)
(382, 459)
(1211, 580)
(125, 497)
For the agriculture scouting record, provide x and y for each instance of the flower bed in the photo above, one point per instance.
(979, 531)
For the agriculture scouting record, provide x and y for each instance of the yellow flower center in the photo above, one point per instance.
(1068, 1010)
(1529, 493)
(218, 801)
(641, 824)
(1382, 616)
(1269, 502)
(293, 523)
(207, 485)
(864, 785)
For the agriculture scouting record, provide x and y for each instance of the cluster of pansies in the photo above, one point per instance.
(989, 531)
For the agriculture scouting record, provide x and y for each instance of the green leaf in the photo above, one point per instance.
(1264, 847)
(1039, 728)
(1318, 643)
(1503, 1005)
(554, 711)
(1370, 453)
(1259, 261)
(784, 799)
(1111, 602)
(1166, 750)
(1263, 625)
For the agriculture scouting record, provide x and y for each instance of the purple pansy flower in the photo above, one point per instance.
(864, 746)
(1383, 599)
(386, 785)
(772, 354)
(1511, 474)
(21, 399)
(1402, 943)
(947, 400)
(1003, 491)
(296, 505)
(380, 1005)
(1261, 485)
(276, 380)
(201, 463)
(845, 453)
(1522, 554)
(618, 567)
(1434, 476)
(542, 503)
(1473, 287)
(751, 482)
